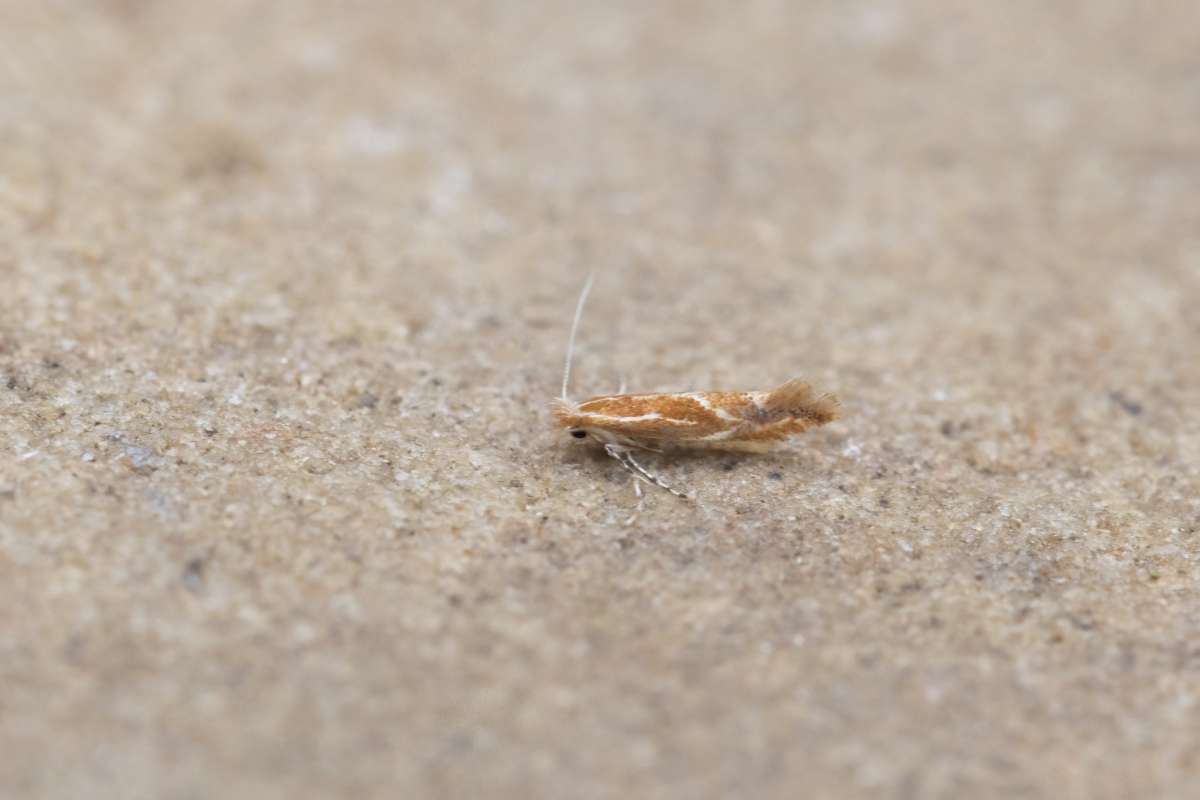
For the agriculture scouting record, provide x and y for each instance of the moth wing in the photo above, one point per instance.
(739, 446)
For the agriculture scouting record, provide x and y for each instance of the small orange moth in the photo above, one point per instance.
(740, 421)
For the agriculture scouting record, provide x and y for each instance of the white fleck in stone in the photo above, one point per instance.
(363, 136)
(303, 633)
(450, 187)
(319, 55)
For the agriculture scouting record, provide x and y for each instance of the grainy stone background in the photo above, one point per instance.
(285, 290)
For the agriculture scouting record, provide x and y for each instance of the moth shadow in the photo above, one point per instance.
(773, 464)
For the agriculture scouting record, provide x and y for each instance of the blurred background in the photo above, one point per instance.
(284, 292)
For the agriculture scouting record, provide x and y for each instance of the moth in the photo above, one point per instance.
(751, 422)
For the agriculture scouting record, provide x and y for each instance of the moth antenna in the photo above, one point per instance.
(587, 287)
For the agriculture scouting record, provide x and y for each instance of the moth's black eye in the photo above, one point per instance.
(579, 434)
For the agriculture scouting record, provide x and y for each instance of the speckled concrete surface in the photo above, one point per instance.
(285, 293)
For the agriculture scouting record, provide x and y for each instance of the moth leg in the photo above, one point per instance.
(621, 389)
(622, 457)
(637, 489)
(618, 452)
(652, 477)
(630, 463)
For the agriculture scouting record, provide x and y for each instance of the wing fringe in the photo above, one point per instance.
(798, 399)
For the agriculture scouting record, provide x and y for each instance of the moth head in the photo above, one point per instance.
(571, 420)
(581, 433)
